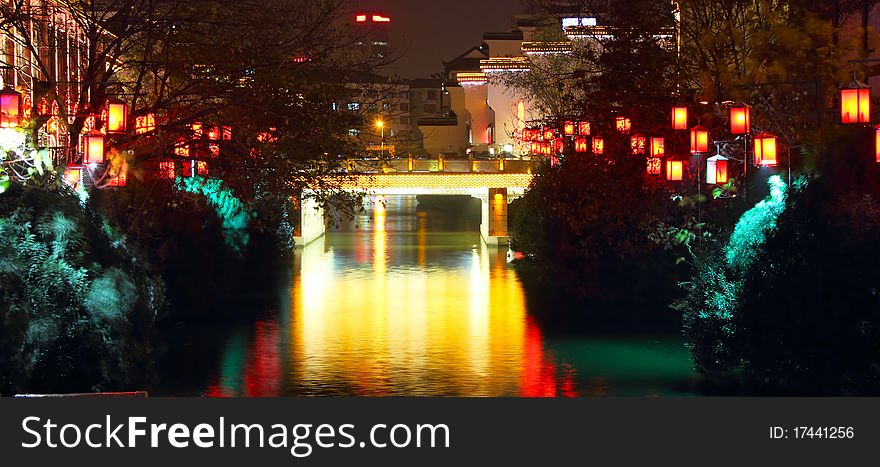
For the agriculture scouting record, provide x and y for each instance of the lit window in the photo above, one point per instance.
(353, 132)
(354, 106)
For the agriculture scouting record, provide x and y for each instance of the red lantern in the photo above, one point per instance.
(167, 170)
(855, 104)
(548, 133)
(568, 128)
(740, 120)
(765, 149)
(716, 170)
(559, 145)
(598, 145)
(10, 108)
(679, 118)
(584, 128)
(73, 175)
(93, 142)
(144, 124)
(638, 143)
(117, 116)
(674, 170)
(877, 143)
(657, 147)
(699, 140)
(120, 180)
(623, 124)
(580, 144)
(654, 165)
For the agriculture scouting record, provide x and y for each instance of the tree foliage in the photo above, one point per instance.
(791, 305)
(78, 304)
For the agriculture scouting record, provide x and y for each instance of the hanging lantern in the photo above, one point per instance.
(580, 144)
(548, 133)
(568, 128)
(584, 128)
(10, 108)
(117, 116)
(740, 120)
(559, 145)
(144, 124)
(93, 142)
(637, 143)
(623, 124)
(855, 104)
(657, 146)
(877, 143)
(598, 145)
(716, 170)
(674, 170)
(765, 149)
(679, 118)
(120, 180)
(654, 165)
(699, 140)
(73, 175)
(167, 170)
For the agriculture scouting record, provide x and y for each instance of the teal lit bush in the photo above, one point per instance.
(791, 303)
(77, 304)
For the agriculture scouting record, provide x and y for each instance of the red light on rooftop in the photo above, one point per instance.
(361, 18)
(381, 19)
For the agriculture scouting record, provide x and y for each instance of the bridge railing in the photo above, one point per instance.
(440, 165)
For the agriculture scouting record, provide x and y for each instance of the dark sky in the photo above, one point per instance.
(425, 32)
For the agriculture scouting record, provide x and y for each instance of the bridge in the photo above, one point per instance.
(495, 182)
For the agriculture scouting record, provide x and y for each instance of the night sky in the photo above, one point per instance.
(424, 32)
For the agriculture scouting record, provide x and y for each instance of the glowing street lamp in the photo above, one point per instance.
(584, 128)
(716, 170)
(765, 149)
(10, 108)
(598, 145)
(877, 143)
(699, 140)
(657, 146)
(381, 126)
(855, 104)
(94, 147)
(679, 118)
(637, 143)
(117, 116)
(674, 170)
(740, 120)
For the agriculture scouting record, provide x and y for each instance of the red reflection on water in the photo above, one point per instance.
(262, 377)
(260, 374)
(539, 372)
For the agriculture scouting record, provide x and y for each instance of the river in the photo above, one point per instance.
(406, 300)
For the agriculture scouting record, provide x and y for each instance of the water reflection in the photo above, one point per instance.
(409, 301)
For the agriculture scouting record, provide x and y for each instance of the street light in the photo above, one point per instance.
(381, 126)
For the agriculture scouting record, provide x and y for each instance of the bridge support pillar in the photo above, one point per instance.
(494, 223)
(311, 224)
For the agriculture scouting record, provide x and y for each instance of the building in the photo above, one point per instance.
(43, 51)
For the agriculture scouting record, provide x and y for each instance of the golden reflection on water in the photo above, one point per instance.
(411, 302)
(452, 322)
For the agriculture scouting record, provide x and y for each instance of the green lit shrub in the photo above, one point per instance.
(791, 304)
(77, 305)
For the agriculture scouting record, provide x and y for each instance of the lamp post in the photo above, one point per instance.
(381, 126)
